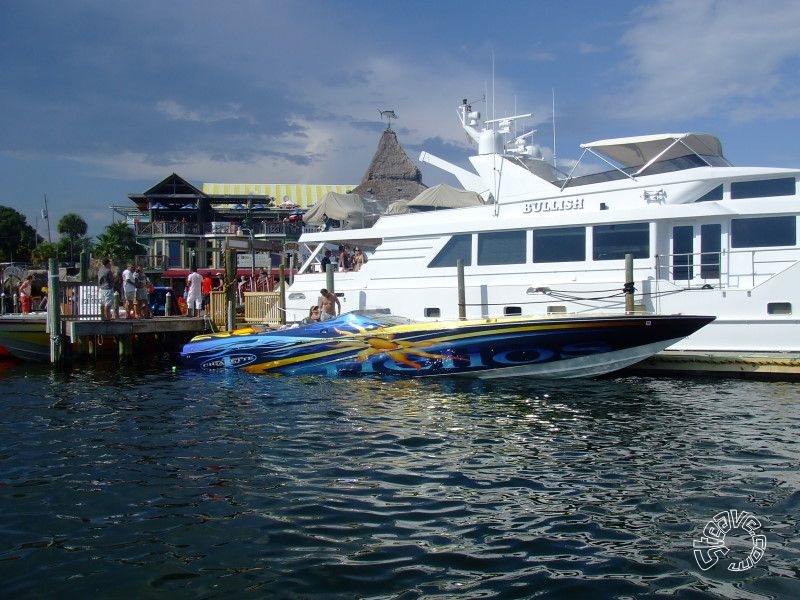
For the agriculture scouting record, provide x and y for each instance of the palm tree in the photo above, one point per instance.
(73, 227)
(118, 242)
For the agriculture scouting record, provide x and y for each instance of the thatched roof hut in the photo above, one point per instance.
(391, 175)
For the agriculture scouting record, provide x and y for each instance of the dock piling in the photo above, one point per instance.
(628, 289)
(54, 313)
(462, 296)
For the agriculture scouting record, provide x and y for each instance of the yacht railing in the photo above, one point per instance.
(727, 268)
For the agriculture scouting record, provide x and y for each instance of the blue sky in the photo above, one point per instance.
(100, 99)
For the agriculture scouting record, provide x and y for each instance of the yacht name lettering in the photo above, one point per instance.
(553, 205)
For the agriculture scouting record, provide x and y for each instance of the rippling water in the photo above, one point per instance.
(159, 482)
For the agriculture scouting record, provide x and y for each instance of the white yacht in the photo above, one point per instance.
(706, 237)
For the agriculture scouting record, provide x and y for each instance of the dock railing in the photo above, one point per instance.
(79, 301)
(262, 307)
(219, 311)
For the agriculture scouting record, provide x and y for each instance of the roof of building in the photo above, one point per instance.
(302, 195)
(391, 175)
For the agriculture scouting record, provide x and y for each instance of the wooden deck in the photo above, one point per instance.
(119, 327)
(732, 365)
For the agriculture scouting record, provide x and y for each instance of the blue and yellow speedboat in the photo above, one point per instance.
(363, 344)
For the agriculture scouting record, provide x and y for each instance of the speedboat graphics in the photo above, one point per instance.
(358, 344)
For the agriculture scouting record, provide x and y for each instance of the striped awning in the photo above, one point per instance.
(304, 196)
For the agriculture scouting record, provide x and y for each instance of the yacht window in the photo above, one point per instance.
(613, 242)
(710, 248)
(458, 246)
(512, 311)
(763, 232)
(779, 308)
(562, 244)
(763, 188)
(682, 249)
(715, 194)
(502, 248)
(432, 312)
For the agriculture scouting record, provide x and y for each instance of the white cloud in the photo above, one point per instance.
(176, 111)
(693, 58)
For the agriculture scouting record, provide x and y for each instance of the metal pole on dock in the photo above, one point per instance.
(628, 289)
(282, 294)
(83, 273)
(329, 277)
(54, 312)
(230, 287)
(462, 295)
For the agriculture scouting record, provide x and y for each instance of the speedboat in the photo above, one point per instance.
(381, 344)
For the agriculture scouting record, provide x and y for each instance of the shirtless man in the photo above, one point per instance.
(329, 305)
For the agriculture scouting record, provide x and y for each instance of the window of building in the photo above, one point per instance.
(502, 248)
(763, 232)
(763, 188)
(561, 244)
(458, 246)
(613, 242)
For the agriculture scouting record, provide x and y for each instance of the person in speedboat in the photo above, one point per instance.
(329, 305)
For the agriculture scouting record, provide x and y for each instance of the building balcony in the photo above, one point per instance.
(165, 228)
(220, 229)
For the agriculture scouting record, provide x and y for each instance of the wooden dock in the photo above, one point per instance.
(28, 337)
(124, 327)
(132, 335)
(739, 365)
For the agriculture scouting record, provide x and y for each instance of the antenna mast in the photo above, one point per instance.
(46, 217)
(554, 126)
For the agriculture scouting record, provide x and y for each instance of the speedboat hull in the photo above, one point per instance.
(25, 337)
(358, 344)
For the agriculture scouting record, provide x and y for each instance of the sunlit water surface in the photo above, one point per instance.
(157, 482)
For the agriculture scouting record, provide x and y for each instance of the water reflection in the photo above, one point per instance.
(143, 481)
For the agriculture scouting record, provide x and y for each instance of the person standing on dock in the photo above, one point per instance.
(194, 294)
(25, 294)
(129, 291)
(142, 295)
(105, 280)
(208, 285)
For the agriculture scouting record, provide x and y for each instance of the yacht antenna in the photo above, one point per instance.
(493, 96)
(554, 127)
(46, 217)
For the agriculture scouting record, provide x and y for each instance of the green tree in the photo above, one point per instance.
(73, 231)
(17, 238)
(118, 242)
(43, 252)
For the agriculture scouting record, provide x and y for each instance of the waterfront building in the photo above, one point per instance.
(181, 225)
